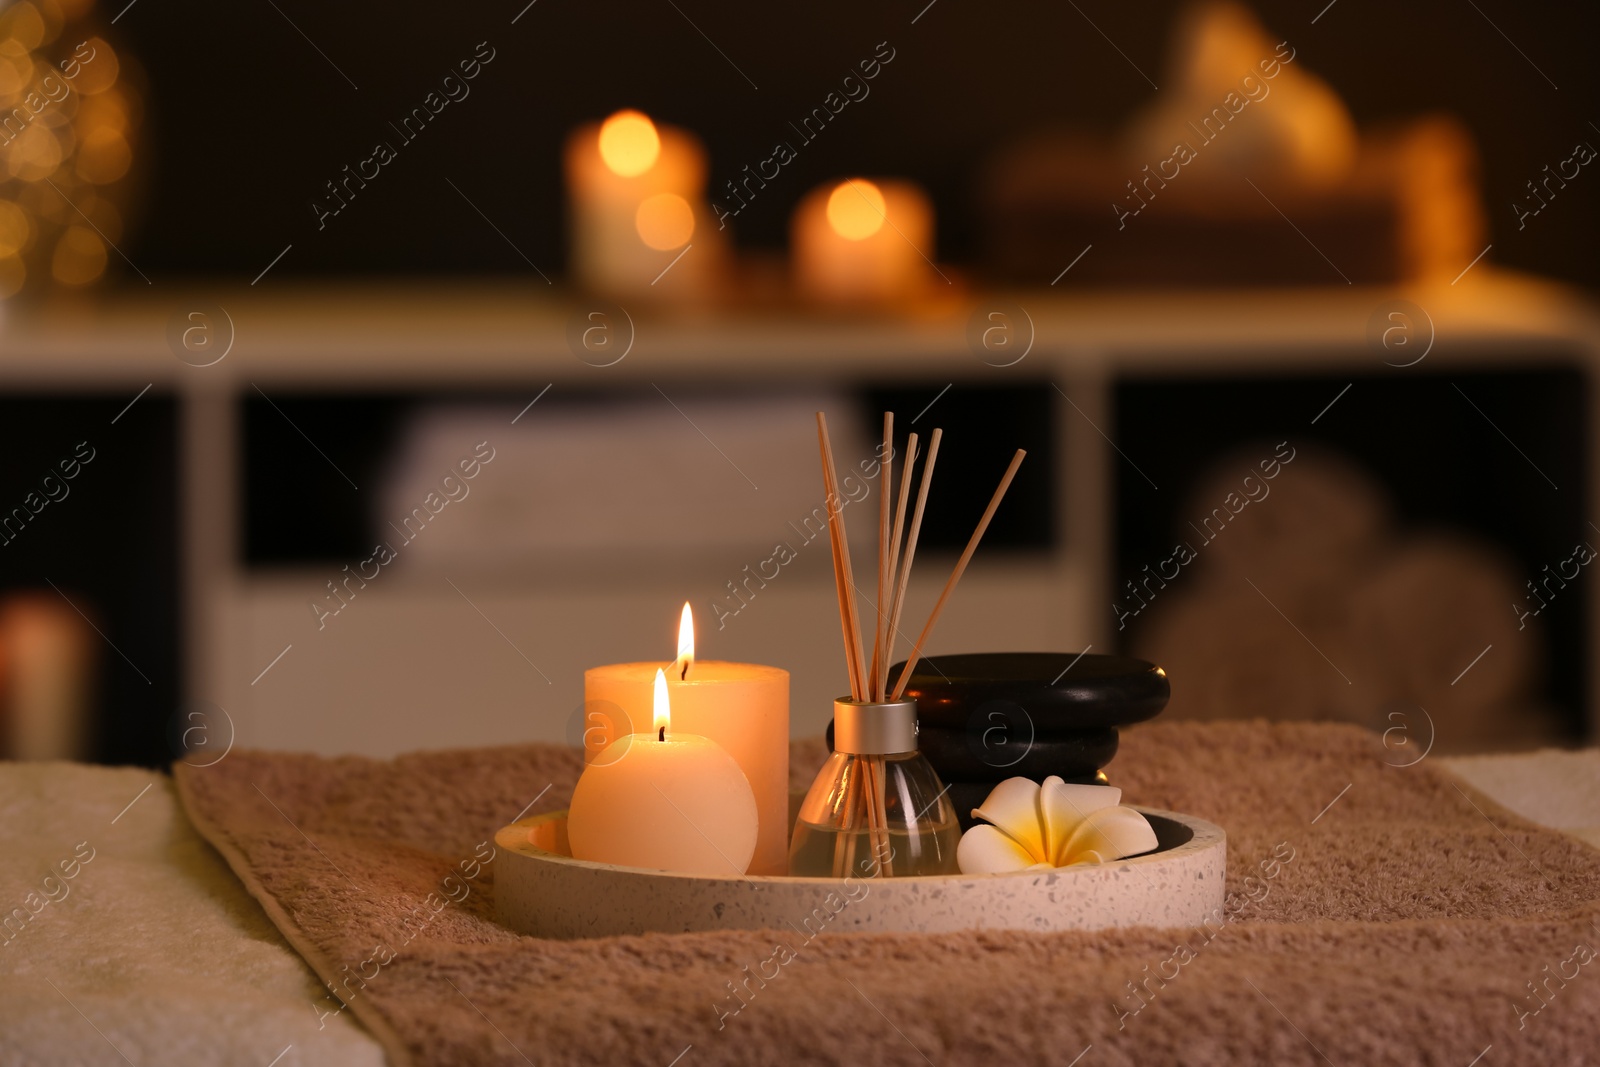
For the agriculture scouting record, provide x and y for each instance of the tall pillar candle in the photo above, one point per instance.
(637, 206)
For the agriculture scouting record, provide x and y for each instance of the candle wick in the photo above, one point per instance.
(661, 734)
(683, 675)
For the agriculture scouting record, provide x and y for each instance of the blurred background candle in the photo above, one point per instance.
(668, 800)
(744, 707)
(47, 673)
(863, 241)
(638, 216)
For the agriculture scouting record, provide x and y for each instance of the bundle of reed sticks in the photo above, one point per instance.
(869, 680)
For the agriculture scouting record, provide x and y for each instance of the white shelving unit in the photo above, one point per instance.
(415, 663)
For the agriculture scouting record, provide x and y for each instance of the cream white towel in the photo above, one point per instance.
(1555, 788)
(151, 947)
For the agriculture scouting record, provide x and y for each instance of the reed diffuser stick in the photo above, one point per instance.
(894, 559)
(844, 846)
(877, 779)
(831, 501)
(916, 529)
(955, 575)
(876, 684)
(843, 572)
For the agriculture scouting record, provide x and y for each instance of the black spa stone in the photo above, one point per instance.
(1059, 693)
(996, 752)
(1004, 749)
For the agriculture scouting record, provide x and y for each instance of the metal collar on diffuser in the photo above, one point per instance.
(873, 728)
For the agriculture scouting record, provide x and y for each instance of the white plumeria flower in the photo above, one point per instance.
(1053, 825)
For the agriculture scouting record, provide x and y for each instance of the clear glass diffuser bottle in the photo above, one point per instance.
(877, 808)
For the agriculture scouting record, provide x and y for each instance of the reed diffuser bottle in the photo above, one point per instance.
(876, 809)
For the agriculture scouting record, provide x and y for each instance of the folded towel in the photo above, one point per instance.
(125, 937)
(1551, 787)
(1378, 914)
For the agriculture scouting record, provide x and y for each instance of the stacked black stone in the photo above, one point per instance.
(986, 717)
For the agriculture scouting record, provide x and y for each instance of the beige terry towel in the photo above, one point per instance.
(1386, 915)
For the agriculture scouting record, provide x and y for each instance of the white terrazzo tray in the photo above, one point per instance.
(542, 891)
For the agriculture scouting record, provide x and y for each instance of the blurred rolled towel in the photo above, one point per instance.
(621, 482)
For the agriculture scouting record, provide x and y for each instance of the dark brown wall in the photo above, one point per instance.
(249, 120)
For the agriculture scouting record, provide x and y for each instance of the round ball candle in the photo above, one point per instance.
(674, 802)
(637, 201)
(743, 707)
(859, 241)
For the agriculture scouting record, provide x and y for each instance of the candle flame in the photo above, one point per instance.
(629, 144)
(663, 707)
(856, 209)
(685, 642)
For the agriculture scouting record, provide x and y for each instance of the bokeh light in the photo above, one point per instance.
(22, 23)
(68, 120)
(664, 221)
(13, 272)
(15, 229)
(80, 256)
(629, 143)
(856, 209)
(104, 156)
(98, 73)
